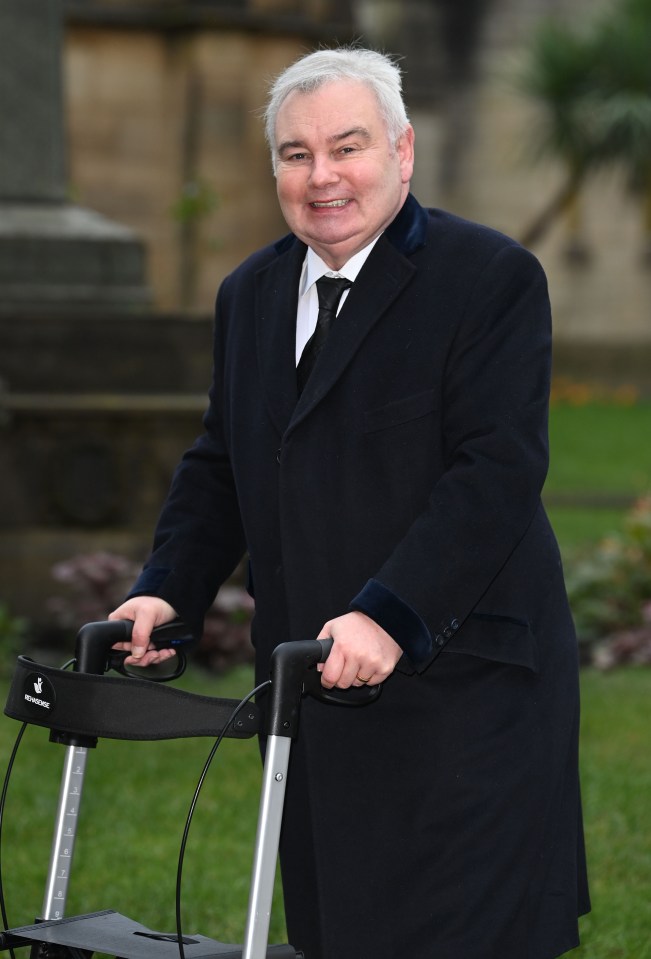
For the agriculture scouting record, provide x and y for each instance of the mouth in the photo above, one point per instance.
(328, 204)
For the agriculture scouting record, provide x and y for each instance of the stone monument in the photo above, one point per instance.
(72, 288)
(53, 255)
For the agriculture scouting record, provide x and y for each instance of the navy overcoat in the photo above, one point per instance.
(443, 821)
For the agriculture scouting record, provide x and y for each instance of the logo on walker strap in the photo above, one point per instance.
(39, 693)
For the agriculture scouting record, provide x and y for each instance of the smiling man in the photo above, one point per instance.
(376, 443)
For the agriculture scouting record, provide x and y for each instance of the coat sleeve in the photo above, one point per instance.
(199, 539)
(495, 407)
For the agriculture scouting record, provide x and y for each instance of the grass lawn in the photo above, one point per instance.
(137, 797)
(599, 452)
(600, 448)
(603, 451)
(616, 782)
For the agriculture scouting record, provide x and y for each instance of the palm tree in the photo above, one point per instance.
(623, 55)
(595, 92)
(559, 75)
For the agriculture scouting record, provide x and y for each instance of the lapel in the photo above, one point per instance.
(383, 277)
(276, 300)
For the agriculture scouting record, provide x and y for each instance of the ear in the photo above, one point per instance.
(405, 151)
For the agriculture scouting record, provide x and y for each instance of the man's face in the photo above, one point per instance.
(340, 180)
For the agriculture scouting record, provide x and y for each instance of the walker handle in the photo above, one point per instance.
(353, 696)
(293, 672)
(94, 651)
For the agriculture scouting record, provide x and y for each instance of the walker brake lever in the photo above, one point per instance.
(172, 635)
(94, 651)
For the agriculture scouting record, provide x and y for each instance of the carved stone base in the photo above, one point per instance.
(62, 257)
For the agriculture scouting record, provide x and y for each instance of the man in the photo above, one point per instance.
(390, 498)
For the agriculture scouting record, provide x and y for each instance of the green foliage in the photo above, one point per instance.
(593, 84)
(622, 44)
(13, 630)
(559, 74)
(198, 200)
(600, 465)
(610, 586)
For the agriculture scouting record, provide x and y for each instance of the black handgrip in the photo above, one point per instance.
(172, 635)
(353, 696)
(95, 641)
(293, 672)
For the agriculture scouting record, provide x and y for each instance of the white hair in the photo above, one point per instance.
(316, 69)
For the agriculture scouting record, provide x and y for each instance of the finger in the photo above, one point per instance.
(332, 668)
(151, 657)
(144, 619)
(349, 671)
(145, 613)
(141, 634)
(363, 679)
(363, 676)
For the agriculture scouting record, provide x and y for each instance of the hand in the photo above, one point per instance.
(362, 654)
(146, 612)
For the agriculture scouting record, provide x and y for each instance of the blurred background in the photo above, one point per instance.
(134, 176)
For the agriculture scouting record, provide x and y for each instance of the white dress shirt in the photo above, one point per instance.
(308, 300)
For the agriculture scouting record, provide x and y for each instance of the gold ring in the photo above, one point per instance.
(364, 681)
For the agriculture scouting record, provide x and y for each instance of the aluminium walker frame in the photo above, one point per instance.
(80, 706)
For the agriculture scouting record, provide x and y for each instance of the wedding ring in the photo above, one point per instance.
(364, 681)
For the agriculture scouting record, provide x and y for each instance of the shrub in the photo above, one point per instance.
(630, 646)
(95, 583)
(610, 591)
(226, 640)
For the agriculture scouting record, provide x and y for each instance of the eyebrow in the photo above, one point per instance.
(353, 132)
(335, 138)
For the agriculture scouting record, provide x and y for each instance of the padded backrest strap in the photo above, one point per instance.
(110, 707)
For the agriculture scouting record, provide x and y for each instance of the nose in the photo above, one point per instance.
(322, 171)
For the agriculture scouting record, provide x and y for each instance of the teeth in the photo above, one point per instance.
(331, 203)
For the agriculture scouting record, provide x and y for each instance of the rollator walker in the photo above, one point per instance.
(84, 704)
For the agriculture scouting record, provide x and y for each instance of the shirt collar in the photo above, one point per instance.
(314, 267)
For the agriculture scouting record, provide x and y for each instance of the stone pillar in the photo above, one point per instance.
(53, 255)
(31, 132)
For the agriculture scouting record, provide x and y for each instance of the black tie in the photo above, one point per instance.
(329, 289)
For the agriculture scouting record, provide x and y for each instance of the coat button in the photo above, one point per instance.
(278, 452)
(438, 639)
(454, 624)
(447, 632)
